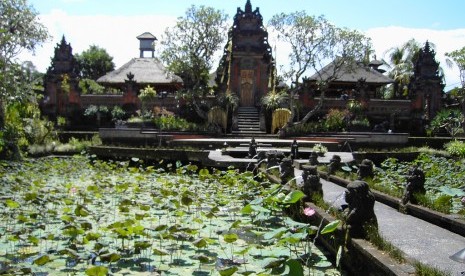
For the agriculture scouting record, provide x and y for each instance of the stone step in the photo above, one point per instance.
(249, 125)
(247, 121)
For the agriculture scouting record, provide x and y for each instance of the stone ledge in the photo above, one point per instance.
(449, 222)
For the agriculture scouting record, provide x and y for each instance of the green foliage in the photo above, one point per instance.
(319, 148)
(444, 177)
(128, 217)
(17, 84)
(94, 63)
(61, 121)
(449, 120)
(117, 113)
(401, 61)
(458, 57)
(229, 100)
(335, 120)
(274, 100)
(93, 110)
(24, 127)
(170, 122)
(148, 94)
(303, 129)
(190, 46)
(90, 86)
(456, 148)
(314, 41)
(23, 33)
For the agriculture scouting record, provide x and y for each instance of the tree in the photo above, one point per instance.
(315, 41)
(20, 30)
(94, 63)
(190, 47)
(458, 57)
(402, 60)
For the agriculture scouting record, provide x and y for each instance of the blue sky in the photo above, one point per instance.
(357, 14)
(114, 24)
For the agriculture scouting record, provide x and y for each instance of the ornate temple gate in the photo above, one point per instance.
(247, 85)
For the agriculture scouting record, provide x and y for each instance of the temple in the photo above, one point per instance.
(247, 65)
(247, 70)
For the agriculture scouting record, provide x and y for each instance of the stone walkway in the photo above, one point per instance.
(419, 240)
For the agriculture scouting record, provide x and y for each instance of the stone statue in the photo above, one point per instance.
(360, 209)
(294, 150)
(334, 164)
(366, 169)
(272, 159)
(415, 185)
(311, 182)
(314, 159)
(286, 171)
(252, 148)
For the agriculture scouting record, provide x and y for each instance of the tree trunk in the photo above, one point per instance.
(202, 114)
(314, 111)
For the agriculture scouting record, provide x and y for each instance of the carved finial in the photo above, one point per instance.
(427, 47)
(130, 76)
(248, 7)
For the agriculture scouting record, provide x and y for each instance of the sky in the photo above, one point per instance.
(114, 24)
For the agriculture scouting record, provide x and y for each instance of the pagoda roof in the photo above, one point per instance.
(145, 71)
(146, 35)
(352, 74)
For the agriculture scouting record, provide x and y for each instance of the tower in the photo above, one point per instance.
(426, 87)
(60, 83)
(247, 63)
(147, 43)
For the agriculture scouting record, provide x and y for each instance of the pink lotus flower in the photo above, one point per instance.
(309, 212)
(73, 191)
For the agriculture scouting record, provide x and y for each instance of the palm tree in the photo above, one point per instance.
(401, 60)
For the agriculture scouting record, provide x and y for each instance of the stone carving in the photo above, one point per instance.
(286, 171)
(334, 164)
(311, 182)
(360, 209)
(252, 148)
(313, 159)
(294, 150)
(415, 185)
(273, 158)
(365, 169)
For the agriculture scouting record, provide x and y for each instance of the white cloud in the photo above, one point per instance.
(117, 34)
(445, 41)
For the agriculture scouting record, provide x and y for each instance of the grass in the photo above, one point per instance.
(425, 270)
(382, 244)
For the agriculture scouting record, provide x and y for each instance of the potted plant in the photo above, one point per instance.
(320, 149)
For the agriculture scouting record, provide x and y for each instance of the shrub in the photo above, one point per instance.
(117, 113)
(319, 148)
(455, 148)
(449, 120)
(335, 120)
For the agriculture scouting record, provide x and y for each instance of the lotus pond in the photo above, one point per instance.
(78, 216)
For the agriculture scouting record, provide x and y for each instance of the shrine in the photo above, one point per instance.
(247, 70)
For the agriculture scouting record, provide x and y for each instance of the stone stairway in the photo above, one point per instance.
(248, 122)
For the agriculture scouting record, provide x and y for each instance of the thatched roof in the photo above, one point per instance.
(145, 71)
(352, 74)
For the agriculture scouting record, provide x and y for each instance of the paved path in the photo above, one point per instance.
(419, 240)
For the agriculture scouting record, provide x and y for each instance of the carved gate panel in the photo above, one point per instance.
(247, 85)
